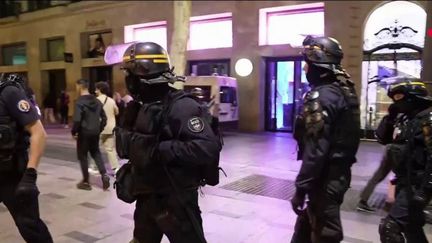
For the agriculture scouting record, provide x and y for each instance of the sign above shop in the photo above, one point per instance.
(95, 24)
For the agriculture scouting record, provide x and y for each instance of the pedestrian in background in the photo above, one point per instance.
(64, 108)
(111, 111)
(89, 121)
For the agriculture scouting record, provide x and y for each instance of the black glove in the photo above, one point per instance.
(419, 200)
(27, 189)
(298, 202)
(392, 112)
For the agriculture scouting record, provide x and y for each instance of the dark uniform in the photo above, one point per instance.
(411, 152)
(170, 144)
(329, 145)
(16, 112)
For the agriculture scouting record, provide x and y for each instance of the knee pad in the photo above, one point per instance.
(390, 231)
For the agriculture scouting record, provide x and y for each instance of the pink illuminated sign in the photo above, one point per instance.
(152, 32)
(212, 31)
(290, 24)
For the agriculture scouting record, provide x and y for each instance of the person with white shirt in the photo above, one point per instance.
(107, 135)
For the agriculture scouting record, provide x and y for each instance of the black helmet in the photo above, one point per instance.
(146, 60)
(410, 88)
(325, 52)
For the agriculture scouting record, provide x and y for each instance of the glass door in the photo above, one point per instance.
(284, 90)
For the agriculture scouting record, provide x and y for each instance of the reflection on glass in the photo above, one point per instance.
(284, 95)
(377, 99)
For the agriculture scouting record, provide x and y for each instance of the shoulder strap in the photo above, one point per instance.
(106, 98)
(167, 106)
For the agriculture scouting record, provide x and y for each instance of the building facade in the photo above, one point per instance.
(56, 46)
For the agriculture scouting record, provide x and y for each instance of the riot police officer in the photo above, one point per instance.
(411, 151)
(170, 144)
(330, 143)
(21, 128)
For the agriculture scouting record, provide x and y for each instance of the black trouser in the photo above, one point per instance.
(89, 143)
(320, 222)
(379, 175)
(25, 215)
(64, 115)
(156, 215)
(409, 218)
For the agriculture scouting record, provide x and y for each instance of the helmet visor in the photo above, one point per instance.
(114, 53)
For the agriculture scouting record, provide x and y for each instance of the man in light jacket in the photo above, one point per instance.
(107, 135)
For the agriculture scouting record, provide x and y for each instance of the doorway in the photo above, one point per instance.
(96, 74)
(285, 85)
(53, 81)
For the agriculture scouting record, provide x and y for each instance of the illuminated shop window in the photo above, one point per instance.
(395, 22)
(210, 31)
(290, 24)
(149, 32)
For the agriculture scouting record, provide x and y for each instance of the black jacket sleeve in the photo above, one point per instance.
(384, 132)
(193, 143)
(77, 117)
(320, 114)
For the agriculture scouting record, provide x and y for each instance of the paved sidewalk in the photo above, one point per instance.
(249, 206)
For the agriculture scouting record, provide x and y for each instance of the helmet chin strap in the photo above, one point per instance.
(167, 77)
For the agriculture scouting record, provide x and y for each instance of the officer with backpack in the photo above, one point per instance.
(172, 149)
(21, 129)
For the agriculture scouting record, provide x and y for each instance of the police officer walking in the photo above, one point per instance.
(330, 143)
(411, 152)
(170, 145)
(21, 129)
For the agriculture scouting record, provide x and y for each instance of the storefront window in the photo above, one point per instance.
(148, 32)
(98, 43)
(212, 31)
(290, 24)
(14, 55)
(393, 42)
(382, 71)
(55, 49)
(209, 67)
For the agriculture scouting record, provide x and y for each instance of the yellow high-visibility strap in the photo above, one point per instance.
(160, 60)
(147, 56)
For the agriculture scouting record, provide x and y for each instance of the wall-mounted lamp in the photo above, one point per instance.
(243, 67)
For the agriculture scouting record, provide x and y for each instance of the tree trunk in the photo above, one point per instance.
(179, 39)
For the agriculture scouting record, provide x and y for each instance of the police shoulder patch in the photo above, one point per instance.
(196, 124)
(23, 106)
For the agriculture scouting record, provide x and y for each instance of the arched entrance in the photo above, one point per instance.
(393, 42)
